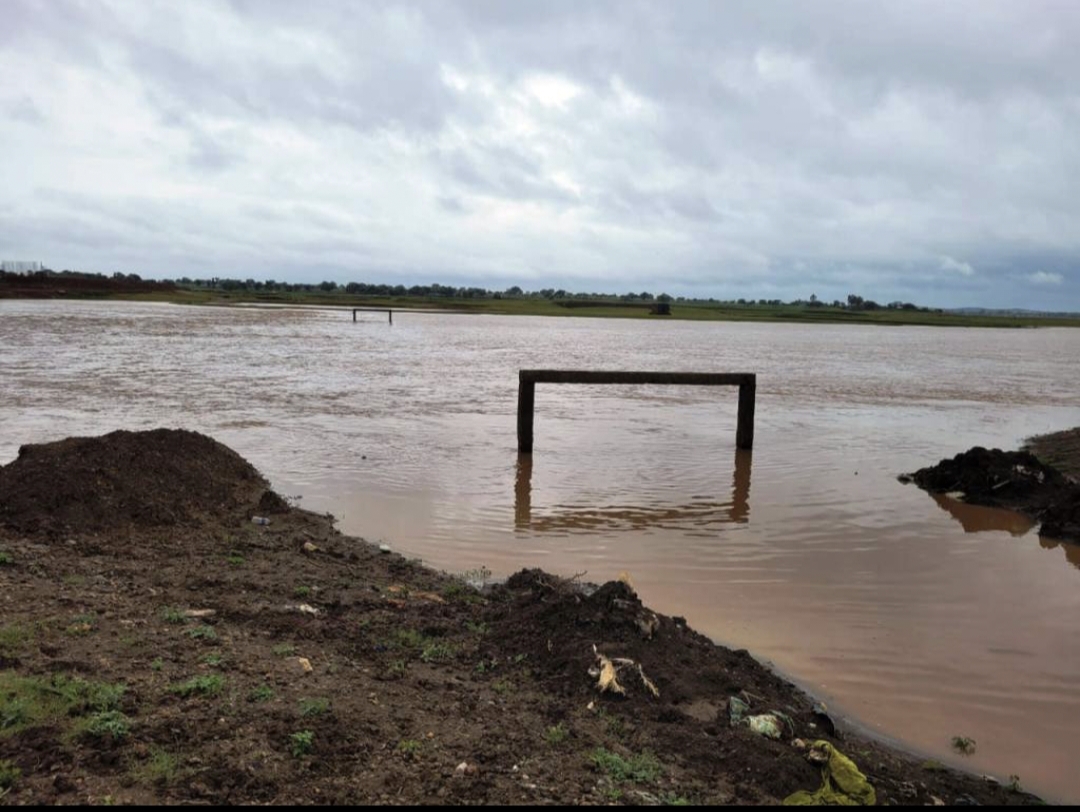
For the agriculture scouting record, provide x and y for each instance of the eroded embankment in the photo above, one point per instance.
(157, 646)
(1016, 480)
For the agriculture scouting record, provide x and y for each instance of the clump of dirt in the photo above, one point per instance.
(1062, 519)
(1016, 480)
(124, 481)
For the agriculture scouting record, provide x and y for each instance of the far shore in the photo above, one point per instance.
(602, 307)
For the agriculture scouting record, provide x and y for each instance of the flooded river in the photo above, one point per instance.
(920, 617)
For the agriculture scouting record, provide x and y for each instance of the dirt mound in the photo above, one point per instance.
(123, 481)
(995, 478)
(556, 623)
(1016, 480)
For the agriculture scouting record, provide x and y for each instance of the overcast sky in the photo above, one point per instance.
(921, 151)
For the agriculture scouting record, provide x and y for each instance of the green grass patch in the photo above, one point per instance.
(9, 776)
(261, 693)
(214, 660)
(410, 747)
(409, 638)
(157, 664)
(437, 652)
(27, 702)
(301, 591)
(235, 560)
(161, 768)
(556, 734)
(206, 685)
(283, 650)
(5, 558)
(302, 742)
(82, 624)
(314, 707)
(107, 724)
(639, 769)
(202, 633)
(461, 592)
(14, 637)
(173, 615)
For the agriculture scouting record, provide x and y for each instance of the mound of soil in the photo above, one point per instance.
(123, 481)
(1016, 480)
(285, 663)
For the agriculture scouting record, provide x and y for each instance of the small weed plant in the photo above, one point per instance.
(314, 707)
(639, 769)
(302, 742)
(556, 734)
(207, 685)
(963, 745)
(261, 693)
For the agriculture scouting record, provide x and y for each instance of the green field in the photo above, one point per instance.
(534, 306)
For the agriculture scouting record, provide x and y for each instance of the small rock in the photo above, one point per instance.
(309, 547)
(936, 801)
(305, 664)
(384, 548)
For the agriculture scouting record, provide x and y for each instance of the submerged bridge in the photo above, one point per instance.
(529, 378)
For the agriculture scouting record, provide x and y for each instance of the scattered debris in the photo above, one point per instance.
(841, 781)
(820, 712)
(736, 709)
(199, 613)
(465, 768)
(606, 673)
(765, 724)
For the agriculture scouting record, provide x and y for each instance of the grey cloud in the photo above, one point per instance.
(739, 148)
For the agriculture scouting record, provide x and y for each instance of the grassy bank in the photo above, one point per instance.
(680, 311)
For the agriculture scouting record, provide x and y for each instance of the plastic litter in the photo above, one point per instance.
(841, 782)
(737, 708)
(766, 725)
(260, 520)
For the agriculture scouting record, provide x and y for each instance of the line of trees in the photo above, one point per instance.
(434, 290)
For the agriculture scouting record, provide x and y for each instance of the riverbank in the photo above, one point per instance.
(160, 646)
(123, 289)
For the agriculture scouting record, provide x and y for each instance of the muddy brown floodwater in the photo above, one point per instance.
(920, 618)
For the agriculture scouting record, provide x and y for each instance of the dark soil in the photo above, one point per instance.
(1016, 480)
(331, 672)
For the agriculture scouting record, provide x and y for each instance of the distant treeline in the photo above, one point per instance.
(47, 284)
(435, 290)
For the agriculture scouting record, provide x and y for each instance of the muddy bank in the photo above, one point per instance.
(1014, 480)
(158, 646)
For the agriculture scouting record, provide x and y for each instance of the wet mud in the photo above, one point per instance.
(159, 646)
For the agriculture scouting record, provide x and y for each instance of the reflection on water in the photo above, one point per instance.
(866, 591)
(1071, 549)
(977, 518)
(696, 518)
